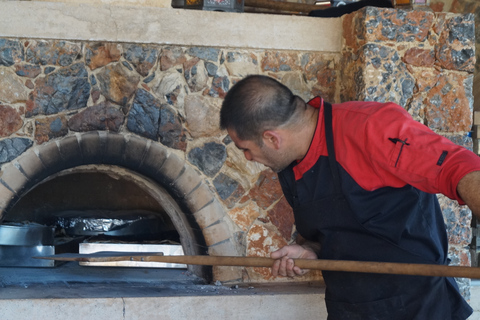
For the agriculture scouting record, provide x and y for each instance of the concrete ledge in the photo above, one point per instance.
(177, 302)
(298, 306)
(143, 24)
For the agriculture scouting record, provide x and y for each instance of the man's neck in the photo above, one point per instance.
(302, 139)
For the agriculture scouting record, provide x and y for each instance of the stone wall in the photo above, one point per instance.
(465, 6)
(169, 94)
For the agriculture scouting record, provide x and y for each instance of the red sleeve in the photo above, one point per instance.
(389, 148)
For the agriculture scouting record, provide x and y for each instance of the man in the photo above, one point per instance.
(361, 178)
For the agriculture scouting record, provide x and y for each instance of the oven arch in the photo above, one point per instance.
(200, 219)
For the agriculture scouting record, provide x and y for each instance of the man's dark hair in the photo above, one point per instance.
(255, 104)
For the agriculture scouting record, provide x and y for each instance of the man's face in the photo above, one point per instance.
(275, 159)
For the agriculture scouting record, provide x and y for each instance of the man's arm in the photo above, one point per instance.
(469, 190)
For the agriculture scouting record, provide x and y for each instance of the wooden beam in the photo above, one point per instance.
(282, 6)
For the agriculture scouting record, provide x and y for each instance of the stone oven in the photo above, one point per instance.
(143, 117)
(122, 103)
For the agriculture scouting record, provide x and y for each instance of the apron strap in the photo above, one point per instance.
(327, 112)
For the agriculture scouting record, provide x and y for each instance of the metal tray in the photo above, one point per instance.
(167, 249)
(21, 256)
(31, 234)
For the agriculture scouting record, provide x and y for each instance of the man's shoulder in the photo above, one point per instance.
(363, 113)
(365, 107)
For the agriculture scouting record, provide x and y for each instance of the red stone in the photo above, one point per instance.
(98, 117)
(267, 189)
(281, 216)
(437, 7)
(103, 54)
(419, 57)
(29, 84)
(262, 240)
(244, 216)
(10, 121)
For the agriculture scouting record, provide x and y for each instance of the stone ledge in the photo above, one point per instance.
(141, 24)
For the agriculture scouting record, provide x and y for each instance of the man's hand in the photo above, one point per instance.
(285, 266)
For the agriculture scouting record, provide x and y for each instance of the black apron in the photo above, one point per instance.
(342, 237)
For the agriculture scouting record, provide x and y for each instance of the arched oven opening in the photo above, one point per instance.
(103, 208)
(108, 189)
(97, 203)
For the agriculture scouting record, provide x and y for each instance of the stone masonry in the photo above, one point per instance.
(171, 95)
(465, 6)
(52, 90)
(424, 61)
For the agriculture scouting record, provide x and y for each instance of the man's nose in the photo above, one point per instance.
(248, 156)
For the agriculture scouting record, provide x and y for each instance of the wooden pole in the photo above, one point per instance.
(325, 265)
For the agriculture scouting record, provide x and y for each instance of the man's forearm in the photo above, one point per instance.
(469, 190)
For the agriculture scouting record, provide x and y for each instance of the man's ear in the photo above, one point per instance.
(272, 138)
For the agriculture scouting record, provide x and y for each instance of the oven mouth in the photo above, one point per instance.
(67, 212)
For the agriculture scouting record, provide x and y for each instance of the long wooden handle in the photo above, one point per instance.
(282, 6)
(325, 265)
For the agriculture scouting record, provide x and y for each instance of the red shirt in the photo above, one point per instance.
(368, 145)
